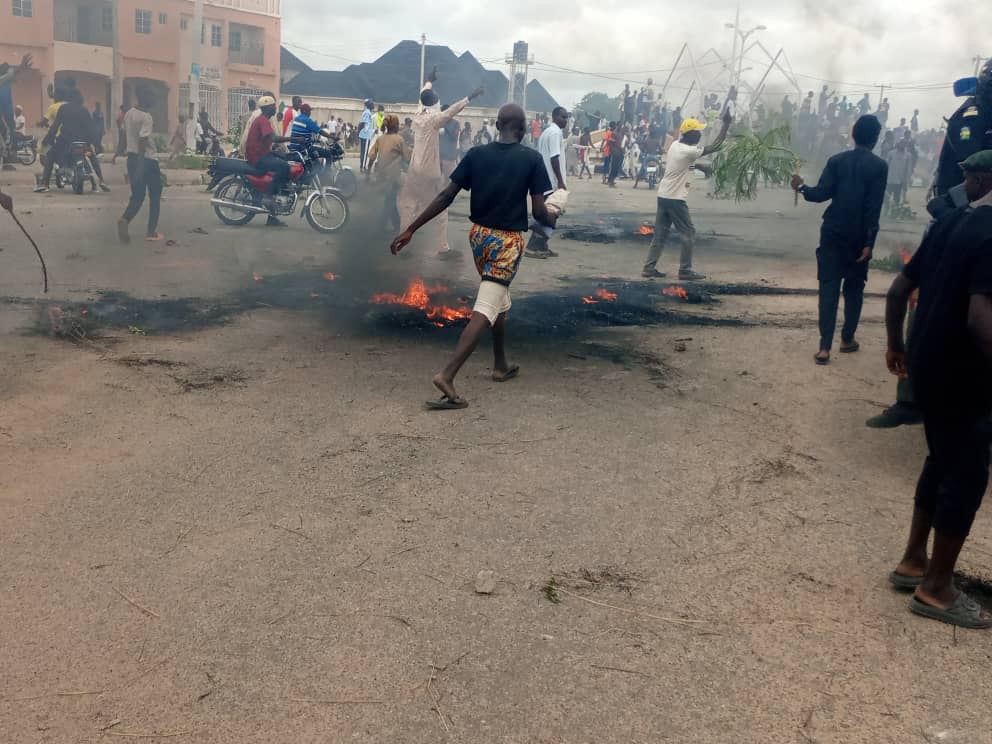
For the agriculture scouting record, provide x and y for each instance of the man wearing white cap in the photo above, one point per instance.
(673, 192)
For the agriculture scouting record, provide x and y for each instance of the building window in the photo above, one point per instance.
(183, 24)
(107, 20)
(23, 8)
(143, 21)
(215, 35)
(234, 41)
(162, 19)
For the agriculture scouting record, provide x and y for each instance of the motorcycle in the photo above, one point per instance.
(76, 169)
(651, 172)
(27, 150)
(334, 172)
(241, 192)
(210, 145)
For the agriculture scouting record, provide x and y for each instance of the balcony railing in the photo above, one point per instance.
(67, 29)
(247, 55)
(265, 7)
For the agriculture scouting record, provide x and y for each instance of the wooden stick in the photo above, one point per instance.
(131, 601)
(44, 269)
(673, 620)
(337, 702)
(618, 669)
(144, 735)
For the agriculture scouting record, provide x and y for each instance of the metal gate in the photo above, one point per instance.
(209, 100)
(237, 104)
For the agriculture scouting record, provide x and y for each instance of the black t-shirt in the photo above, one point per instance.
(75, 123)
(954, 262)
(501, 177)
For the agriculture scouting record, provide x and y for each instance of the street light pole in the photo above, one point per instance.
(744, 35)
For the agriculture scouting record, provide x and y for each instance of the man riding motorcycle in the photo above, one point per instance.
(73, 123)
(303, 133)
(259, 154)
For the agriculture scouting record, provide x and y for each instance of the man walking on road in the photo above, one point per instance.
(142, 168)
(551, 146)
(950, 362)
(500, 176)
(854, 184)
(673, 191)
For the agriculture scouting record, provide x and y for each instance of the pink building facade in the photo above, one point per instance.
(239, 53)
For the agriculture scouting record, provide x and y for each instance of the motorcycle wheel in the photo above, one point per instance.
(233, 189)
(27, 156)
(59, 180)
(78, 181)
(327, 215)
(346, 182)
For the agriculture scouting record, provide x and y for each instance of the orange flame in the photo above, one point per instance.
(905, 255)
(590, 301)
(675, 292)
(256, 276)
(419, 296)
(330, 276)
(646, 230)
(605, 294)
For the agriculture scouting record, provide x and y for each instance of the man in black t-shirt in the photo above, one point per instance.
(949, 363)
(499, 176)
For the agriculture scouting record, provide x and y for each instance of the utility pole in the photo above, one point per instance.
(116, 86)
(423, 57)
(664, 89)
(194, 73)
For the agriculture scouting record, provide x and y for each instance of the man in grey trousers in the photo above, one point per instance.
(673, 192)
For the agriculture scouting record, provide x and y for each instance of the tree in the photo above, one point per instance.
(609, 108)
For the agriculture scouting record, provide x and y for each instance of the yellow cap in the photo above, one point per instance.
(691, 125)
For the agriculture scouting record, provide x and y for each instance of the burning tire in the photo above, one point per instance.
(233, 190)
(327, 212)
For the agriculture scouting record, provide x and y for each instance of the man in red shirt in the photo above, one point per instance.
(290, 114)
(609, 138)
(258, 151)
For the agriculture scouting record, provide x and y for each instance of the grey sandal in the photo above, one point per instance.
(964, 612)
(902, 581)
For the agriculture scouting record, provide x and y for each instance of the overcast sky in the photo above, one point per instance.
(905, 44)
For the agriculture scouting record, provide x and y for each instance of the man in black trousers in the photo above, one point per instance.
(854, 184)
(949, 362)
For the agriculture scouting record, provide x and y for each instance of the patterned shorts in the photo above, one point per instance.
(497, 253)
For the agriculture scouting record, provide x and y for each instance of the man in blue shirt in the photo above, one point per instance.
(304, 130)
(366, 129)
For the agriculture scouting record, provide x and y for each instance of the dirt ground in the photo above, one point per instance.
(246, 527)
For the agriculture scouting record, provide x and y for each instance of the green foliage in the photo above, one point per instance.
(748, 158)
(187, 162)
(551, 592)
(161, 143)
(606, 105)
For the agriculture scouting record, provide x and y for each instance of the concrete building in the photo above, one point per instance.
(239, 55)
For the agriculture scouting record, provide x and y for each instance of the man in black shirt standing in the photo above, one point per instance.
(499, 176)
(949, 362)
(854, 183)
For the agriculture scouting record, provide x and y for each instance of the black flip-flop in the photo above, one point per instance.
(902, 581)
(850, 348)
(822, 361)
(512, 372)
(964, 612)
(447, 404)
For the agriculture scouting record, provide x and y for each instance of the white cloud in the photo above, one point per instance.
(903, 43)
